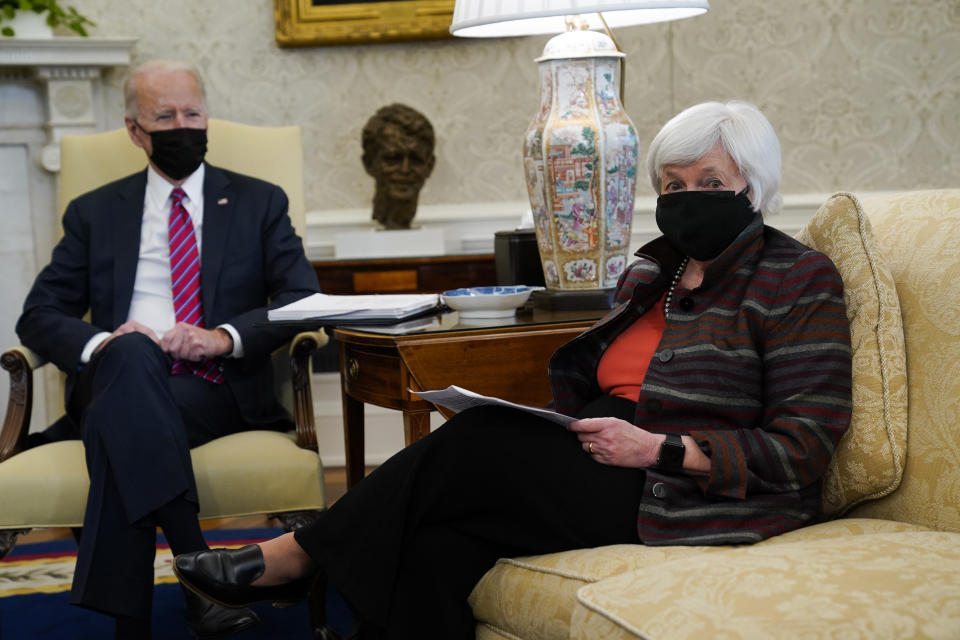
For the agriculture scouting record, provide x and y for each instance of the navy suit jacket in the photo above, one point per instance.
(251, 260)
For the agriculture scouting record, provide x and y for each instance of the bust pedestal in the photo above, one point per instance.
(388, 243)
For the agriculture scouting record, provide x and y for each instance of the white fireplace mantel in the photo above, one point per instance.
(49, 87)
(67, 68)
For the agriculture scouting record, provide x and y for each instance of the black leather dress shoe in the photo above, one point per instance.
(208, 621)
(225, 576)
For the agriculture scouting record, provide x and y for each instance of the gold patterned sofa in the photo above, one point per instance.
(887, 563)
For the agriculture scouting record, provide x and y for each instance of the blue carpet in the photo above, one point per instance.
(48, 616)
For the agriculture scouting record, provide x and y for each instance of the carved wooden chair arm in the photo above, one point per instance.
(301, 348)
(20, 363)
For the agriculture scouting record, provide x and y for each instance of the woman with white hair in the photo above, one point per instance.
(710, 400)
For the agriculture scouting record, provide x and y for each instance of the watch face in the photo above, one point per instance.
(671, 453)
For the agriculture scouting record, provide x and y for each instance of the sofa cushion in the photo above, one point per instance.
(869, 460)
(919, 234)
(534, 597)
(844, 527)
(879, 586)
(487, 632)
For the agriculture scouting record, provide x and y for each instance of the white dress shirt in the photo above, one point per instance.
(152, 302)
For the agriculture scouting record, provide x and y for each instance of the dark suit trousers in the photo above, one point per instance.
(406, 545)
(137, 423)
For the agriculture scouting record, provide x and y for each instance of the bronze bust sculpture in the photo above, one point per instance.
(398, 146)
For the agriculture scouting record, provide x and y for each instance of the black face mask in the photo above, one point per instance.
(701, 224)
(177, 152)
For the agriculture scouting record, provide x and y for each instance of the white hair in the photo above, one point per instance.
(744, 133)
(159, 67)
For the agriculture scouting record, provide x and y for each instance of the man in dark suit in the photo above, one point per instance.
(176, 265)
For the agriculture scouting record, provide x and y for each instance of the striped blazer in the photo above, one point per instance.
(754, 364)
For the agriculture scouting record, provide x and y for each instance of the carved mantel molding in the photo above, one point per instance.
(67, 67)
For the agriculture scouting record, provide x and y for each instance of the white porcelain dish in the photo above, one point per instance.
(486, 302)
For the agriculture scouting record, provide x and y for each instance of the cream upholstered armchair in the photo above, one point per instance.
(247, 473)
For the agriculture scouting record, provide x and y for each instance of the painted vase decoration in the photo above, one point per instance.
(580, 161)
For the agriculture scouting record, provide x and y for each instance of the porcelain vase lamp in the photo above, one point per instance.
(580, 152)
(580, 162)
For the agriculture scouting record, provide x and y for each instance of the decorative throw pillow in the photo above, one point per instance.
(869, 460)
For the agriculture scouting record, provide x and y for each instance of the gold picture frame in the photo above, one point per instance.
(300, 23)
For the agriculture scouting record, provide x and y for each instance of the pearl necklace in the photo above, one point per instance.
(673, 285)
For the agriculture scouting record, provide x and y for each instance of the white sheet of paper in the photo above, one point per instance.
(457, 399)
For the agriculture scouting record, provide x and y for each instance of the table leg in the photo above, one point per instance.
(353, 432)
(416, 424)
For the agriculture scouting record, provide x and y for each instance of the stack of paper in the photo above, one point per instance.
(359, 307)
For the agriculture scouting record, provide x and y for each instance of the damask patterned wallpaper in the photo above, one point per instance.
(865, 94)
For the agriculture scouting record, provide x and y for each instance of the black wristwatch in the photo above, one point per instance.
(671, 453)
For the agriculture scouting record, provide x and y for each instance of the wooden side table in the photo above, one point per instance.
(506, 358)
(428, 274)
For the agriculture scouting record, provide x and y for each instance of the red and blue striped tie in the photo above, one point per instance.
(185, 281)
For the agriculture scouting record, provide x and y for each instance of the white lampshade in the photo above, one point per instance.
(502, 18)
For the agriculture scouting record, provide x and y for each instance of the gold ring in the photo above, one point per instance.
(590, 448)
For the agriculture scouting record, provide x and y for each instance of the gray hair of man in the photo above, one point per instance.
(157, 67)
(743, 132)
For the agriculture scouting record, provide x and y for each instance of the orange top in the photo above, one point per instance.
(624, 363)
